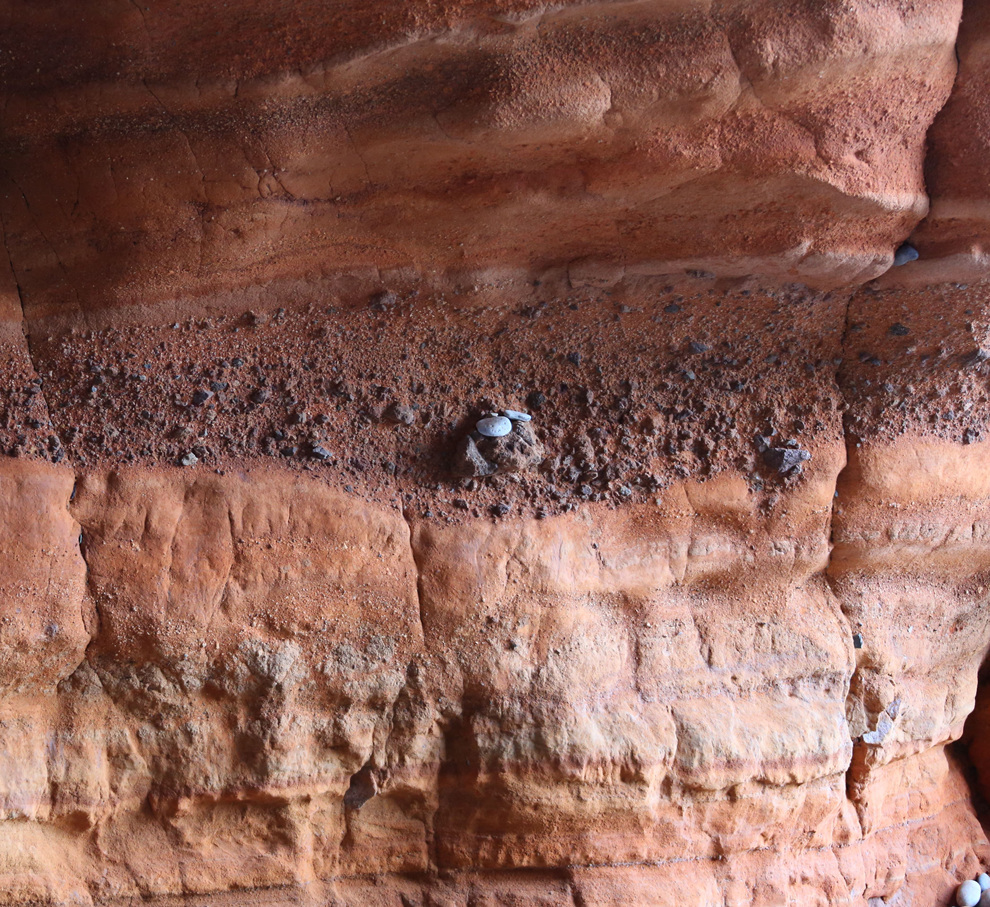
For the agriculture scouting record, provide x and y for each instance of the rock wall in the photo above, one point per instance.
(722, 640)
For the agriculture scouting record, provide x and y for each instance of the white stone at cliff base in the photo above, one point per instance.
(494, 426)
(516, 416)
(984, 881)
(968, 894)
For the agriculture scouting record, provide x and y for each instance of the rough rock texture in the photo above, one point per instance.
(300, 248)
(177, 150)
(957, 231)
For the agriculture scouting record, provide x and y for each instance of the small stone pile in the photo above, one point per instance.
(974, 892)
(502, 442)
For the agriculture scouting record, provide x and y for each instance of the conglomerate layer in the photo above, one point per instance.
(277, 628)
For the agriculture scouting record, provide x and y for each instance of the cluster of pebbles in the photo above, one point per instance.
(502, 442)
(974, 892)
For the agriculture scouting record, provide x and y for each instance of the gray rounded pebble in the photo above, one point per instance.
(189, 459)
(516, 416)
(905, 253)
(494, 427)
(968, 894)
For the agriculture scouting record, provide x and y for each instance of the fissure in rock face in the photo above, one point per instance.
(279, 625)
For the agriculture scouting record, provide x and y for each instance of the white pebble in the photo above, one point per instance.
(968, 894)
(984, 881)
(494, 426)
(516, 416)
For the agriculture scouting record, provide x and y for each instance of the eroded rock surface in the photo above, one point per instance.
(710, 628)
(209, 146)
(281, 688)
(956, 234)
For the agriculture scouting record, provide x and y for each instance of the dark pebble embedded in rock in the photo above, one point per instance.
(699, 347)
(574, 358)
(898, 330)
(786, 460)
(319, 452)
(260, 395)
(201, 397)
(535, 399)
(904, 254)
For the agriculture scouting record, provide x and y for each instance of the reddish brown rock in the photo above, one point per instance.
(183, 151)
(284, 689)
(714, 633)
(955, 237)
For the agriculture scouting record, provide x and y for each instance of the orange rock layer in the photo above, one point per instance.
(251, 682)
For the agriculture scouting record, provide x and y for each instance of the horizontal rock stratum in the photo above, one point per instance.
(176, 149)
(717, 638)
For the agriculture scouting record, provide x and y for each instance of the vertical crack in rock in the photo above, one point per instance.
(412, 678)
(29, 350)
(851, 793)
(931, 156)
(418, 567)
(576, 896)
(48, 242)
(17, 282)
(856, 766)
(20, 299)
(94, 621)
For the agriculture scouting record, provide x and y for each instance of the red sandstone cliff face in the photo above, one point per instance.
(208, 150)
(653, 667)
(957, 172)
